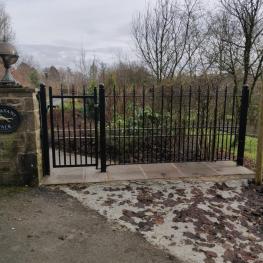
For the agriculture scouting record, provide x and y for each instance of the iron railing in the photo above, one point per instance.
(137, 125)
(169, 124)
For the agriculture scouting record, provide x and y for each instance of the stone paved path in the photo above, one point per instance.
(169, 171)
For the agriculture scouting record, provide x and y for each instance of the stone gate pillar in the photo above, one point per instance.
(20, 152)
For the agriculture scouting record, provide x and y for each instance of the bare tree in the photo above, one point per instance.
(6, 31)
(222, 54)
(164, 37)
(83, 65)
(29, 60)
(94, 71)
(248, 17)
(88, 69)
(197, 37)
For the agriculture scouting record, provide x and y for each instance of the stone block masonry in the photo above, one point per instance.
(20, 151)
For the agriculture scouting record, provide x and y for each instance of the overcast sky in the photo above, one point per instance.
(54, 31)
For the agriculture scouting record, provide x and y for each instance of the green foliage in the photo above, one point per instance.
(34, 78)
(137, 121)
(90, 109)
(251, 148)
(68, 106)
(110, 81)
(91, 87)
(138, 117)
(79, 107)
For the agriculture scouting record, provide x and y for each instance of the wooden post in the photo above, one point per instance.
(259, 164)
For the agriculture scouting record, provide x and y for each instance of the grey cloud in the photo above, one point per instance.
(59, 56)
(55, 30)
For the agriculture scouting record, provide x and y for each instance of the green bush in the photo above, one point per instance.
(79, 107)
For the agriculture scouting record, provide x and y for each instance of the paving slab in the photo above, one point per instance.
(233, 170)
(221, 164)
(95, 176)
(53, 180)
(125, 172)
(167, 171)
(194, 169)
(160, 171)
(68, 171)
(65, 175)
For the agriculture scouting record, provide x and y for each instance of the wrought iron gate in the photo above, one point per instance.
(143, 125)
(69, 128)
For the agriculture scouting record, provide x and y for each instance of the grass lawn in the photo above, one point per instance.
(251, 148)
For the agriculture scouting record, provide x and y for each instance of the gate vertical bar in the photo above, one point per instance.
(189, 121)
(162, 106)
(242, 125)
(152, 123)
(63, 124)
(171, 122)
(52, 127)
(74, 124)
(197, 148)
(180, 124)
(44, 130)
(232, 122)
(215, 129)
(102, 128)
(223, 126)
(115, 127)
(124, 123)
(85, 124)
(143, 122)
(96, 126)
(206, 122)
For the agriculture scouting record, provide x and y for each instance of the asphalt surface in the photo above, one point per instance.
(44, 225)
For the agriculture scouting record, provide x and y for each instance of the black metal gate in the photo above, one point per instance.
(69, 128)
(142, 125)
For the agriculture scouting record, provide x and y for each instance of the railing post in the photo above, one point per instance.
(52, 126)
(259, 162)
(44, 129)
(102, 128)
(214, 149)
(242, 125)
(96, 125)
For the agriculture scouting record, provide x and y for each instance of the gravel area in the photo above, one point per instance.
(196, 222)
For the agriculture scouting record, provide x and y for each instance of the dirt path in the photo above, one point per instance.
(40, 225)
